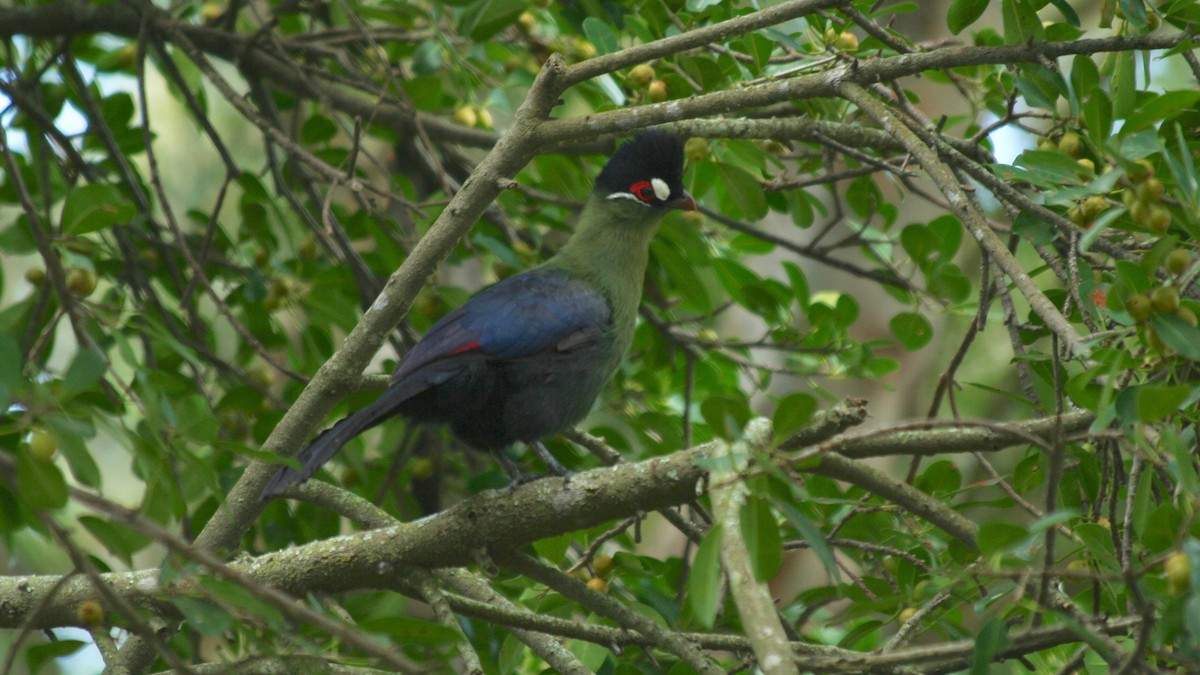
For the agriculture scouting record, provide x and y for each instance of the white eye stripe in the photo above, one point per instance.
(626, 195)
(661, 189)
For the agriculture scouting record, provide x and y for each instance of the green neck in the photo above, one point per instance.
(610, 249)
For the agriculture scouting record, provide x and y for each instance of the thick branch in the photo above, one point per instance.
(752, 597)
(966, 210)
(506, 520)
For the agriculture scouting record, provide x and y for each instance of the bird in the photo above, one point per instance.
(525, 358)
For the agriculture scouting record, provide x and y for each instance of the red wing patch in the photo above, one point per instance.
(470, 346)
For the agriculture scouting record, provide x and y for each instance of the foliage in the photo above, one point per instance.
(222, 211)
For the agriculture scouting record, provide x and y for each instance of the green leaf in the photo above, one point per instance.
(120, 541)
(1068, 12)
(1098, 112)
(411, 630)
(735, 278)
(85, 370)
(40, 485)
(813, 535)
(761, 534)
(1178, 334)
(759, 47)
(1034, 230)
(999, 536)
(912, 329)
(10, 355)
(429, 58)
(93, 207)
(1135, 13)
(704, 584)
(1085, 76)
(71, 433)
(206, 617)
(601, 35)
(1124, 84)
(1051, 166)
(318, 129)
(1156, 402)
(792, 413)
(1021, 22)
(989, 641)
(963, 13)
(919, 243)
(725, 415)
(948, 232)
(37, 656)
(743, 194)
(1159, 107)
(483, 19)
(947, 281)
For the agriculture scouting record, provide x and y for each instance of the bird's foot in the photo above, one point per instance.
(518, 478)
(552, 463)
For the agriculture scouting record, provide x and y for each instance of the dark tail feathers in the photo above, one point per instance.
(327, 444)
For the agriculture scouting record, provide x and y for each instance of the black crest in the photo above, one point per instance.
(652, 154)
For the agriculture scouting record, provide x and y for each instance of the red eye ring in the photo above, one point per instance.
(643, 190)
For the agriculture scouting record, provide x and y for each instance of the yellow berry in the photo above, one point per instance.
(906, 614)
(422, 468)
(43, 444)
(1047, 145)
(211, 11)
(1150, 190)
(485, 117)
(1178, 568)
(1158, 219)
(641, 75)
(603, 564)
(585, 49)
(847, 42)
(1187, 315)
(1087, 167)
(1078, 214)
(526, 22)
(696, 149)
(90, 613)
(466, 116)
(1139, 307)
(597, 584)
(1178, 261)
(1141, 169)
(1165, 299)
(262, 375)
(126, 56)
(81, 281)
(35, 275)
(1071, 144)
(1095, 205)
(657, 91)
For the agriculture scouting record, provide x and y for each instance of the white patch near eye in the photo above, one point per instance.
(626, 195)
(661, 189)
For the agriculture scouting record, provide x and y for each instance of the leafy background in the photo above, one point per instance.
(925, 233)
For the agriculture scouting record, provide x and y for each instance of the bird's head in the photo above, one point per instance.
(647, 171)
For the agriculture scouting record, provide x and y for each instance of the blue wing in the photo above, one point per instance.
(527, 314)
